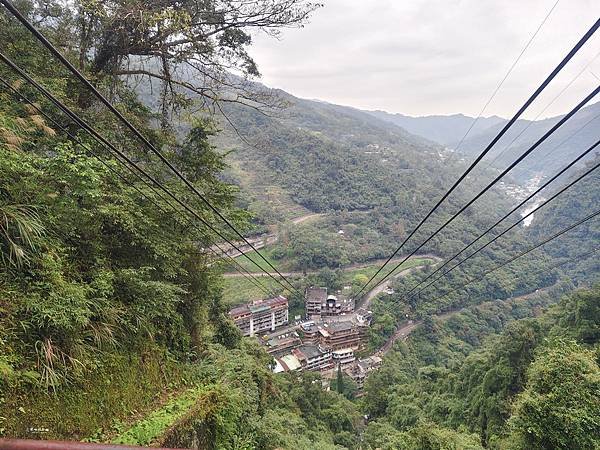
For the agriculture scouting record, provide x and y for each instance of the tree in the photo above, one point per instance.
(187, 46)
(340, 380)
(581, 316)
(560, 407)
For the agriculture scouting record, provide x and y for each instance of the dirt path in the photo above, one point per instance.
(306, 217)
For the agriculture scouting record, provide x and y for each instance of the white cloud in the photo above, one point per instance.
(432, 56)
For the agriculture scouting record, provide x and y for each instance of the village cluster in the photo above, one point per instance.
(331, 335)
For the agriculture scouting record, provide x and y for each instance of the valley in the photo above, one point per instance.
(195, 256)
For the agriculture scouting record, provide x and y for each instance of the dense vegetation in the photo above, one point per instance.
(89, 263)
(107, 301)
(374, 182)
(113, 326)
(569, 141)
(568, 208)
(533, 386)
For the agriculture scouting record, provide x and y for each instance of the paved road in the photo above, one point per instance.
(401, 333)
(383, 286)
(345, 269)
(404, 331)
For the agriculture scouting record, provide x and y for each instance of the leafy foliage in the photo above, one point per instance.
(512, 391)
(559, 406)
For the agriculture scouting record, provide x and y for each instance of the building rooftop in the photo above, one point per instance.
(310, 351)
(239, 310)
(289, 362)
(369, 363)
(316, 294)
(277, 342)
(339, 326)
(258, 306)
(310, 327)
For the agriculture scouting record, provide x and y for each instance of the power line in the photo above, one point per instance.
(537, 92)
(532, 195)
(571, 136)
(529, 214)
(537, 272)
(529, 250)
(240, 269)
(514, 64)
(531, 122)
(501, 175)
(40, 37)
(78, 141)
(83, 124)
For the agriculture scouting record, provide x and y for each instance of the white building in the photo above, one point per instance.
(343, 356)
(261, 315)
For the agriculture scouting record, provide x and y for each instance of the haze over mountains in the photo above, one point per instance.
(445, 130)
(565, 144)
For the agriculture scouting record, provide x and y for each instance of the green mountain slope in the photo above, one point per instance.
(334, 158)
(570, 140)
(566, 144)
(532, 386)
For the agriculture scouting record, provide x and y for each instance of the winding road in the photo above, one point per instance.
(404, 331)
(383, 286)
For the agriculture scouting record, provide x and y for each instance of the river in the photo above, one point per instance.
(520, 192)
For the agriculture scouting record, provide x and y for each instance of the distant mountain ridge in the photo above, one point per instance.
(445, 130)
(568, 142)
(565, 144)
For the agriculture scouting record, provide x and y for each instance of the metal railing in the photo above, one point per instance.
(33, 444)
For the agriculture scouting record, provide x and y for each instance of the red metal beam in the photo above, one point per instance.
(33, 444)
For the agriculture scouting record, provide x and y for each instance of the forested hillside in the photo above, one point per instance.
(569, 140)
(572, 205)
(114, 324)
(368, 163)
(534, 386)
(329, 158)
(110, 311)
(374, 187)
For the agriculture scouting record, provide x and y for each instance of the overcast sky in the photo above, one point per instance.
(421, 57)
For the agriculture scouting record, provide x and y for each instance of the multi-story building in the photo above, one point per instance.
(310, 333)
(340, 335)
(261, 315)
(360, 371)
(343, 356)
(315, 298)
(313, 357)
(335, 306)
(281, 345)
(318, 304)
